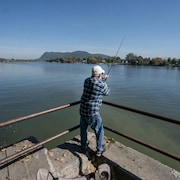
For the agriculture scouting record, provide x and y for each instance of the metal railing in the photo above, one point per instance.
(37, 146)
(13, 121)
(163, 118)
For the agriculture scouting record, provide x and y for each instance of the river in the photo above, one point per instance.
(29, 87)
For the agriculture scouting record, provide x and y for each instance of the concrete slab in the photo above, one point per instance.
(68, 161)
(137, 164)
(4, 171)
(27, 167)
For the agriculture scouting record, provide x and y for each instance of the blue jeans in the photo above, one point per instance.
(95, 122)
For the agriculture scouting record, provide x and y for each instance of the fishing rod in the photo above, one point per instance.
(116, 53)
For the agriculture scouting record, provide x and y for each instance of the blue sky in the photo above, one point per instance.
(28, 28)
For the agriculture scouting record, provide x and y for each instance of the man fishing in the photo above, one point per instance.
(95, 88)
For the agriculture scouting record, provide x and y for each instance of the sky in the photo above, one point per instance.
(147, 28)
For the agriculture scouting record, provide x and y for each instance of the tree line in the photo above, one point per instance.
(130, 59)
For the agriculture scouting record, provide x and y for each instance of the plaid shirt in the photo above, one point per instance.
(91, 99)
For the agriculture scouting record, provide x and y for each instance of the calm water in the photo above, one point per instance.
(27, 88)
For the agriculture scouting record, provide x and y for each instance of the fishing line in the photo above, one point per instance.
(116, 54)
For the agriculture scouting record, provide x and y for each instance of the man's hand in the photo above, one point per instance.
(106, 77)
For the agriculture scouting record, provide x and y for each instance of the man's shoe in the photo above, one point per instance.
(85, 149)
(99, 154)
(87, 152)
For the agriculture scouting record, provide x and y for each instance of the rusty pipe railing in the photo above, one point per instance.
(144, 144)
(39, 145)
(34, 147)
(143, 113)
(13, 121)
(37, 114)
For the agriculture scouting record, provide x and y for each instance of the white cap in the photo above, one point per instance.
(96, 70)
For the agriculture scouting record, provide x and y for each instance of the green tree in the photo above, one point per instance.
(174, 61)
(92, 60)
(157, 61)
(131, 58)
(139, 60)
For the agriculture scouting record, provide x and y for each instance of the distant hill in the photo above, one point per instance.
(76, 54)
